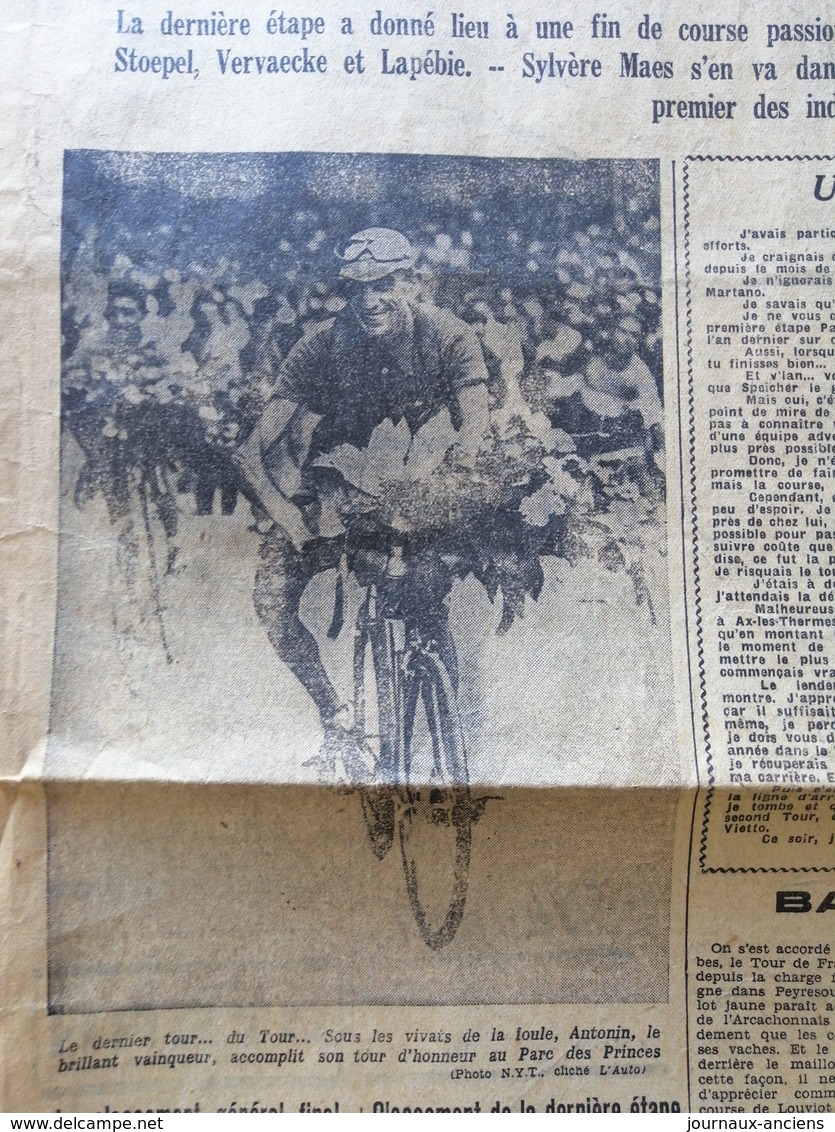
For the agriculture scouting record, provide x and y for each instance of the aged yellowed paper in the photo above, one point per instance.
(417, 559)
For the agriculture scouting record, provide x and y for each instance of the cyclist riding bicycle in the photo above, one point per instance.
(389, 354)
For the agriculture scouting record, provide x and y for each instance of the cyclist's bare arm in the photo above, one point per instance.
(474, 414)
(250, 459)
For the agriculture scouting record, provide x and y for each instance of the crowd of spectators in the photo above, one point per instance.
(166, 366)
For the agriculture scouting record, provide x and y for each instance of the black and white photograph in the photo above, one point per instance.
(362, 529)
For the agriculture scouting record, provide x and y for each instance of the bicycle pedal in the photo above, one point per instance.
(323, 764)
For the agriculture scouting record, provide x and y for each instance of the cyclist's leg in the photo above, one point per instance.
(283, 574)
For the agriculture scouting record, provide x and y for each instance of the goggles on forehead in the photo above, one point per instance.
(375, 253)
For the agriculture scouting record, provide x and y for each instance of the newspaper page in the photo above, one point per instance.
(418, 557)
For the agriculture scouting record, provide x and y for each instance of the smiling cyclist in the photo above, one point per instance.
(389, 354)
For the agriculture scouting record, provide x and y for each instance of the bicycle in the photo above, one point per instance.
(406, 713)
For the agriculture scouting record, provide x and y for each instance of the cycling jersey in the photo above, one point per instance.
(354, 380)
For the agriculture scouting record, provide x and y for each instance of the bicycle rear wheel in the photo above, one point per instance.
(436, 822)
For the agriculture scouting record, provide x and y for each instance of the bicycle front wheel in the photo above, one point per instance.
(436, 821)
